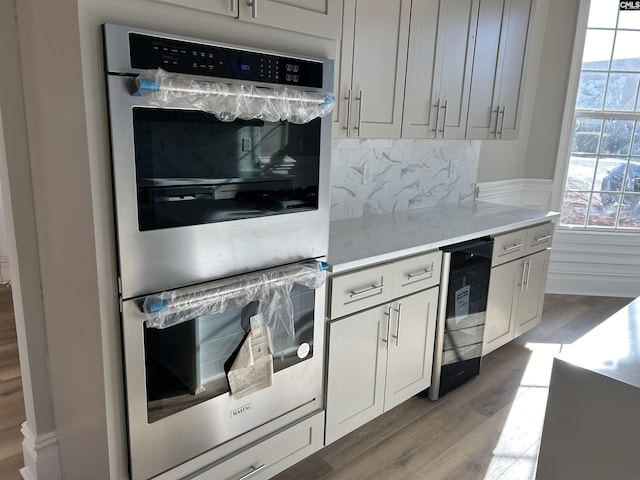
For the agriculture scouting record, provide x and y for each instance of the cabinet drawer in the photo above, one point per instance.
(539, 237)
(416, 273)
(359, 290)
(509, 246)
(265, 459)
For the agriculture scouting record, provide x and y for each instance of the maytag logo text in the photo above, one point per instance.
(242, 409)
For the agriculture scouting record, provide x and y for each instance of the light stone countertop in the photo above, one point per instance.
(591, 420)
(611, 349)
(360, 242)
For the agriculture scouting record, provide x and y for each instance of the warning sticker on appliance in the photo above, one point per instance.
(462, 302)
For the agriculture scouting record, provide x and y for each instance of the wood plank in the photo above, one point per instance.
(12, 413)
(10, 467)
(487, 429)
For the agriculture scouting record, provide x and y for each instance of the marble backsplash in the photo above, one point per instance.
(382, 176)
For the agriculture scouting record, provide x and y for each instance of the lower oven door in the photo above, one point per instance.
(178, 397)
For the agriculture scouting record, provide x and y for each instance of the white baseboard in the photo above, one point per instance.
(5, 272)
(595, 263)
(41, 456)
(582, 263)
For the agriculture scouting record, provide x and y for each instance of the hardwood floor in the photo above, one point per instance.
(11, 401)
(487, 429)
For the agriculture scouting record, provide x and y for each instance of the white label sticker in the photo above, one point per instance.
(303, 350)
(462, 301)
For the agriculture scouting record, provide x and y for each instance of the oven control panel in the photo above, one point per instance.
(150, 52)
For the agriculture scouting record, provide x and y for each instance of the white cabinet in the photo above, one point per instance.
(370, 89)
(264, 459)
(500, 320)
(381, 339)
(432, 68)
(531, 296)
(439, 68)
(378, 358)
(517, 284)
(315, 17)
(221, 7)
(498, 70)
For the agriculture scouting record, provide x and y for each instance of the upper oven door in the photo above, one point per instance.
(197, 198)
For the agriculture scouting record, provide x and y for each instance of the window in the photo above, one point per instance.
(602, 190)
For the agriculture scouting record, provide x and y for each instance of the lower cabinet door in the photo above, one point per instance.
(410, 356)
(531, 299)
(356, 370)
(499, 326)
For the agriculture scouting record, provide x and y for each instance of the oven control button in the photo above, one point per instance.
(303, 350)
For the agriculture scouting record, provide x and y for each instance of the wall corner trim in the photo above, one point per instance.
(41, 455)
(532, 193)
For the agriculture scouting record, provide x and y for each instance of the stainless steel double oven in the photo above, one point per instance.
(208, 207)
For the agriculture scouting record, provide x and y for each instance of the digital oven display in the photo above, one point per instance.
(149, 52)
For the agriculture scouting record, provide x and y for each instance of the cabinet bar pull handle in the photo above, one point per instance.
(388, 315)
(544, 238)
(444, 118)
(372, 288)
(426, 271)
(254, 470)
(528, 272)
(524, 269)
(513, 247)
(233, 6)
(397, 335)
(359, 112)
(254, 7)
(495, 129)
(348, 99)
(501, 123)
(435, 129)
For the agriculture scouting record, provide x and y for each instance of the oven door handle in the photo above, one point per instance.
(169, 308)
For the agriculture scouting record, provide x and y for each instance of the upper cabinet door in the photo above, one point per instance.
(315, 17)
(373, 68)
(498, 72)
(322, 18)
(221, 7)
(512, 64)
(420, 111)
(439, 68)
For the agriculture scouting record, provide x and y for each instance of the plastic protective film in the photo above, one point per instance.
(271, 288)
(229, 102)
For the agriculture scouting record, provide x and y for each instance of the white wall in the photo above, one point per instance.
(551, 89)
(69, 159)
(588, 262)
(533, 154)
(22, 246)
(57, 135)
(68, 155)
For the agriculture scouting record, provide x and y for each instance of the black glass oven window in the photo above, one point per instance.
(192, 168)
(186, 364)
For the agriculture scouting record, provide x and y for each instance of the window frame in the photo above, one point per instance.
(570, 116)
